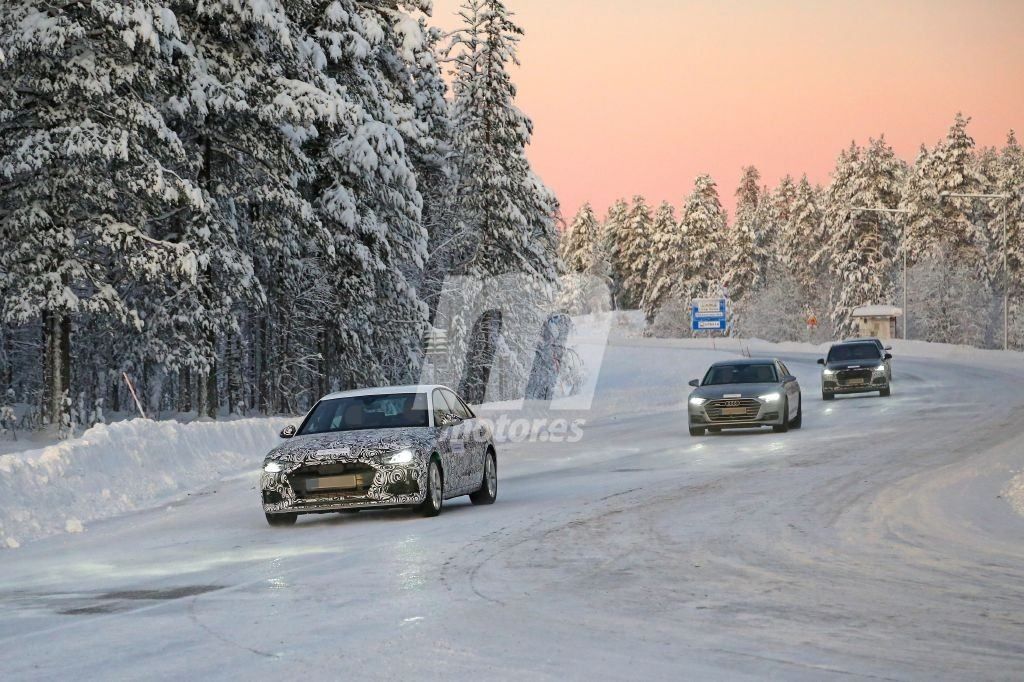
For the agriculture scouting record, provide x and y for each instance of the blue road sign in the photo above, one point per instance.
(709, 314)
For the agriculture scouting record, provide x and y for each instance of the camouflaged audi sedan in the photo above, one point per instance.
(410, 446)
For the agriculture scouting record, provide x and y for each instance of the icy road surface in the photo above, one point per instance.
(872, 543)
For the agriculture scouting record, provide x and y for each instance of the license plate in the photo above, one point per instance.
(733, 411)
(333, 482)
(856, 382)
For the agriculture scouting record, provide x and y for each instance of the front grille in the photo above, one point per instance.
(749, 406)
(358, 478)
(851, 377)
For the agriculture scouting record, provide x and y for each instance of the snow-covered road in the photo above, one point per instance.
(873, 542)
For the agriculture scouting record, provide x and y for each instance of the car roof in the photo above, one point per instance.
(857, 342)
(384, 390)
(744, 362)
(864, 339)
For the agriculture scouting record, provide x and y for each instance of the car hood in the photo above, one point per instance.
(353, 445)
(734, 391)
(854, 364)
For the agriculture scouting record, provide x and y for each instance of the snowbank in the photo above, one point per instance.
(112, 469)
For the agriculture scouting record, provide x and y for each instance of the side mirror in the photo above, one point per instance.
(821, 361)
(288, 431)
(888, 356)
(695, 383)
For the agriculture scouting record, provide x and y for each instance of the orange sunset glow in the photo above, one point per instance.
(642, 96)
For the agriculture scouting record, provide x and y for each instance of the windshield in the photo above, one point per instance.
(740, 374)
(854, 351)
(396, 411)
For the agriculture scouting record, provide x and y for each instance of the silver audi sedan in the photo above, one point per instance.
(743, 394)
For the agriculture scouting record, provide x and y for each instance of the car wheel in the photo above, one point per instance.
(488, 492)
(435, 490)
(784, 426)
(798, 421)
(828, 396)
(696, 431)
(885, 392)
(282, 519)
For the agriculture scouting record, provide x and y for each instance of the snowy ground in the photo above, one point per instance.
(879, 541)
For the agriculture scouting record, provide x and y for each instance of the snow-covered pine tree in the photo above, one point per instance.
(615, 235)
(802, 235)
(506, 208)
(90, 176)
(748, 254)
(939, 224)
(635, 249)
(370, 199)
(703, 224)
(668, 260)
(1010, 181)
(580, 249)
(862, 245)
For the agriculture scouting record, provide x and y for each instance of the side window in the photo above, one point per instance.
(457, 405)
(441, 406)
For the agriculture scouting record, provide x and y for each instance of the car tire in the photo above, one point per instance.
(828, 396)
(798, 421)
(784, 426)
(885, 392)
(696, 431)
(488, 492)
(279, 520)
(434, 500)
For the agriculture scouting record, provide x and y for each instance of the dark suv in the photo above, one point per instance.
(855, 367)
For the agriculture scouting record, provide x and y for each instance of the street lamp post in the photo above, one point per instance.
(906, 312)
(1006, 264)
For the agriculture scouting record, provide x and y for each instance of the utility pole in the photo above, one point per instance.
(1006, 261)
(887, 211)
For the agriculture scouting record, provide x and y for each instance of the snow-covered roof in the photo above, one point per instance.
(384, 390)
(878, 311)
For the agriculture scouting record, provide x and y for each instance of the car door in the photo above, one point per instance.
(475, 448)
(792, 388)
(452, 444)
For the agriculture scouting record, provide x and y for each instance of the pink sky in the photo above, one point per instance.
(643, 96)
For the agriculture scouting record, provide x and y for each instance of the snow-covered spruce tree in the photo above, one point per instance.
(91, 177)
(580, 248)
(862, 245)
(802, 235)
(1010, 181)
(704, 224)
(779, 207)
(616, 234)
(748, 255)
(635, 249)
(668, 259)
(254, 98)
(940, 224)
(504, 209)
(369, 197)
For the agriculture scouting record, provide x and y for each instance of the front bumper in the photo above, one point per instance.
(757, 413)
(833, 384)
(319, 487)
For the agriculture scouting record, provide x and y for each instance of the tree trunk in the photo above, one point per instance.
(212, 399)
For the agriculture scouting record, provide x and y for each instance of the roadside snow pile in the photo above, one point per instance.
(1014, 493)
(121, 467)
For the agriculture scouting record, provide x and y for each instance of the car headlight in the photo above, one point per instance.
(273, 467)
(829, 372)
(697, 402)
(880, 368)
(401, 457)
(769, 397)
